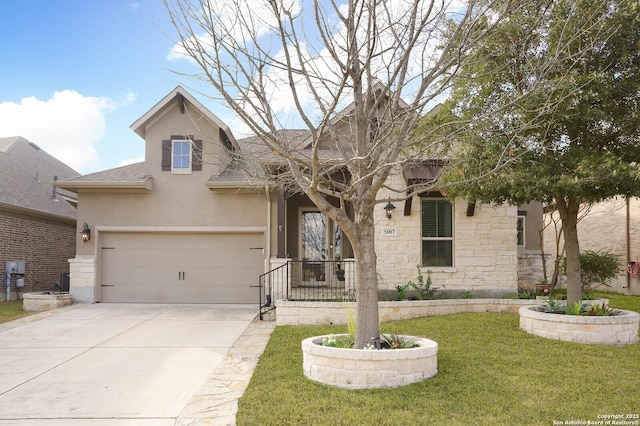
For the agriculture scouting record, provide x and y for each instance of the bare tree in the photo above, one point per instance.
(357, 77)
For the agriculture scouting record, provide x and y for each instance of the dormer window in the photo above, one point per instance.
(181, 155)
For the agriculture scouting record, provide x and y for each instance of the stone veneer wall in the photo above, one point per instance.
(324, 313)
(530, 269)
(82, 279)
(604, 229)
(485, 251)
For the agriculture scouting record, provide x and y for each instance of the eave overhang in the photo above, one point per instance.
(144, 185)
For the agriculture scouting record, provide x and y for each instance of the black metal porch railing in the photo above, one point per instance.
(312, 280)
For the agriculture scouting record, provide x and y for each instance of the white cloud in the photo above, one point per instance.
(67, 126)
(237, 16)
(130, 161)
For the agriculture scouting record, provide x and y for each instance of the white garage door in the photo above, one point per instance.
(180, 268)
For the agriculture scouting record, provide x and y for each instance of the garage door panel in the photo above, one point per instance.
(180, 268)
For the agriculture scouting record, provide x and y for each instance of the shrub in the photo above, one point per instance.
(424, 287)
(597, 269)
(402, 291)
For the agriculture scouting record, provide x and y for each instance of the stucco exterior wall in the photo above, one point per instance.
(485, 252)
(604, 228)
(176, 200)
(192, 123)
(44, 243)
(178, 203)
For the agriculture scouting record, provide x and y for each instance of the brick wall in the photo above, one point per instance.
(45, 244)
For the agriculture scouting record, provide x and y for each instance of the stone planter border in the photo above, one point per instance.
(368, 369)
(44, 301)
(616, 330)
(324, 313)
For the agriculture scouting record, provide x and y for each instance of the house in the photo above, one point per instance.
(187, 226)
(37, 221)
(612, 225)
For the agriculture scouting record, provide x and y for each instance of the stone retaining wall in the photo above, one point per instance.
(46, 301)
(603, 330)
(367, 369)
(323, 313)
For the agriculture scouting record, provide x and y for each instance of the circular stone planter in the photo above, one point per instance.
(619, 330)
(368, 369)
(44, 301)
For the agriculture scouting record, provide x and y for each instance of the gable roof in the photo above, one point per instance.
(183, 97)
(27, 174)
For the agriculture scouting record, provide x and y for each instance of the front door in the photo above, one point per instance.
(320, 243)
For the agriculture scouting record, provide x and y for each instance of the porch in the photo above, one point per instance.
(308, 280)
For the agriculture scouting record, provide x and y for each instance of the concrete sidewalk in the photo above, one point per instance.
(129, 364)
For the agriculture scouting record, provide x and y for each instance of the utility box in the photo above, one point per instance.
(15, 267)
(20, 282)
(64, 282)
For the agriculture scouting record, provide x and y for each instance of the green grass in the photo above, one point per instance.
(490, 373)
(12, 310)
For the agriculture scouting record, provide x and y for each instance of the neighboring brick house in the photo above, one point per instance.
(614, 226)
(188, 226)
(37, 221)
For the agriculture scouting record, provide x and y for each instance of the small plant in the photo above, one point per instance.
(394, 341)
(574, 308)
(467, 295)
(552, 305)
(526, 294)
(402, 291)
(424, 287)
(338, 341)
(599, 311)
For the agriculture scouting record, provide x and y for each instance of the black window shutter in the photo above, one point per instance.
(166, 155)
(196, 156)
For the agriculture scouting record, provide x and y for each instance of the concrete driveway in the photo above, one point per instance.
(113, 363)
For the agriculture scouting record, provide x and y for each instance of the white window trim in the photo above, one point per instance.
(181, 170)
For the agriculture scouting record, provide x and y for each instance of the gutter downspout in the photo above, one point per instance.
(267, 250)
(628, 235)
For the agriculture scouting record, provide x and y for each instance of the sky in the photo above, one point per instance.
(75, 74)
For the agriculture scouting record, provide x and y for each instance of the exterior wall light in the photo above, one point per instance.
(86, 233)
(389, 208)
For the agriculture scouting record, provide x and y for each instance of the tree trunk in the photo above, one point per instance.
(367, 320)
(568, 209)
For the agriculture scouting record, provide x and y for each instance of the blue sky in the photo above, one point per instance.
(75, 74)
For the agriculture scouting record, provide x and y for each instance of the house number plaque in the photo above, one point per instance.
(389, 232)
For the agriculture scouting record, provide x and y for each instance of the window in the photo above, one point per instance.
(181, 154)
(437, 232)
(520, 228)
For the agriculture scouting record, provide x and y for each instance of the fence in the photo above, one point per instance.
(306, 280)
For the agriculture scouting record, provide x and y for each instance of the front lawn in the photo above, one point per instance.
(490, 373)
(12, 310)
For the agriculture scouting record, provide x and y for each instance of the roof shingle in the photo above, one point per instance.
(27, 172)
